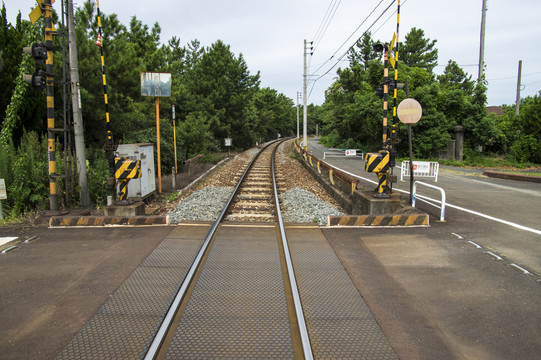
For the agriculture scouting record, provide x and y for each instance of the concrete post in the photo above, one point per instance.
(459, 142)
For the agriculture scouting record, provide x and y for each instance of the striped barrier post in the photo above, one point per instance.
(125, 170)
(379, 163)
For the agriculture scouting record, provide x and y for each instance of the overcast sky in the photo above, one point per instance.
(270, 34)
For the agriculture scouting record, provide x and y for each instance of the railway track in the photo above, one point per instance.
(255, 198)
(228, 290)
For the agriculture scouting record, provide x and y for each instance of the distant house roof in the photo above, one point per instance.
(498, 110)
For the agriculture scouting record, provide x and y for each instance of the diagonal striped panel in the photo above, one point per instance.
(380, 220)
(127, 168)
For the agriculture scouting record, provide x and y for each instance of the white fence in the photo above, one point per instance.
(420, 168)
(348, 153)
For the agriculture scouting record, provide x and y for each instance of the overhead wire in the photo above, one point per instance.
(334, 5)
(353, 33)
(351, 47)
(324, 19)
(389, 18)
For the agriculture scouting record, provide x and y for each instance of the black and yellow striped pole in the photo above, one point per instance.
(385, 92)
(53, 195)
(394, 62)
(379, 162)
(109, 143)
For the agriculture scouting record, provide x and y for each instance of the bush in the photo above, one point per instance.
(332, 139)
(526, 148)
(211, 158)
(25, 172)
(98, 172)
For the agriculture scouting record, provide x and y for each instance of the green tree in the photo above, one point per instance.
(363, 52)
(454, 77)
(21, 107)
(222, 87)
(526, 145)
(418, 51)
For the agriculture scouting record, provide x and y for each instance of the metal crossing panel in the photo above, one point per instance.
(339, 322)
(121, 329)
(238, 307)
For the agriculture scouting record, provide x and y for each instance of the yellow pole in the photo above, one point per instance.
(158, 144)
(175, 143)
(53, 195)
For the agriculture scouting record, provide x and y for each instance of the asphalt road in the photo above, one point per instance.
(502, 216)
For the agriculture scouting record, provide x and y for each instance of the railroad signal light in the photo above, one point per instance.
(38, 51)
(390, 87)
(38, 80)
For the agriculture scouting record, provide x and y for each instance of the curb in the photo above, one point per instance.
(379, 220)
(509, 176)
(108, 220)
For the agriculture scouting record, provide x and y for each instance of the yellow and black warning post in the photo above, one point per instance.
(125, 170)
(43, 53)
(379, 163)
(384, 160)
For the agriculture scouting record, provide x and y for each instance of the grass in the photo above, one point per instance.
(535, 173)
(212, 158)
(491, 161)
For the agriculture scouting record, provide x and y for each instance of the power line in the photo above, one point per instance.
(326, 19)
(389, 18)
(351, 47)
(323, 20)
(362, 23)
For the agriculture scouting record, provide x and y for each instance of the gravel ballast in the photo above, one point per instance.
(202, 205)
(302, 198)
(298, 205)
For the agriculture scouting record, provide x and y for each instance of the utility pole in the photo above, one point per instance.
(517, 106)
(482, 45)
(78, 127)
(298, 94)
(304, 96)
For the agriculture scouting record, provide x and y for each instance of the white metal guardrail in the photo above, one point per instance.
(331, 152)
(420, 168)
(443, 197)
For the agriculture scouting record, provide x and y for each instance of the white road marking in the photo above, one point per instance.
(502, 221)
(475, 244)
(5, 251)
(497, 257)
(5, 240)
(524, 271)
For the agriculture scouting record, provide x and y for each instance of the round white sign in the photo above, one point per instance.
(409, 111)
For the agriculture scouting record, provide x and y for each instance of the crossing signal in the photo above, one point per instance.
(390, 88)
(38, 51)
(38, 80)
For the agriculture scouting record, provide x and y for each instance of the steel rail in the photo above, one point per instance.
(305, 340)
(181, 293)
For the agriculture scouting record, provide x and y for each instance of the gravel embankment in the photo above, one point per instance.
(302, 198)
